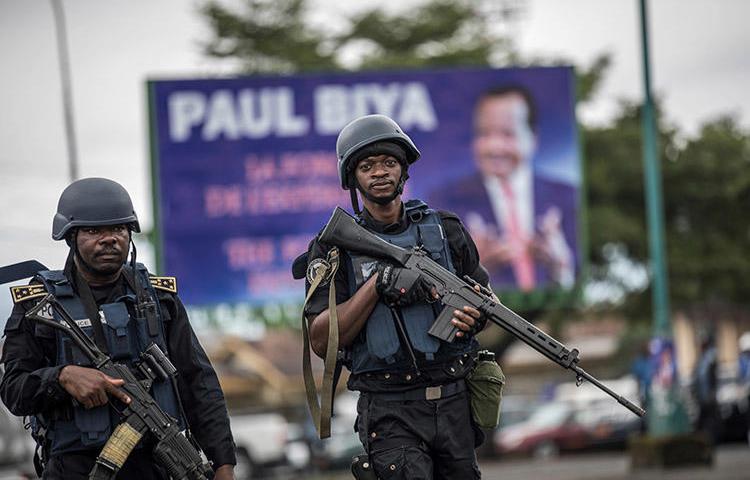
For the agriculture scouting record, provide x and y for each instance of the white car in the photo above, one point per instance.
(261, 442)
(16, 445)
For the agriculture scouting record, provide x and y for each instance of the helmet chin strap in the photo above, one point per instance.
(75, 254)
(355, 200)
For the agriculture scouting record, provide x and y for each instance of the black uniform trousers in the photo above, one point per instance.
(419, 439)
(77, 466)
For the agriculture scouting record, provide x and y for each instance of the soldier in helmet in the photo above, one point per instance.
(414, 417)
(124, 309)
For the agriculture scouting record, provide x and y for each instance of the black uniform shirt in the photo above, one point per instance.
(30, 384)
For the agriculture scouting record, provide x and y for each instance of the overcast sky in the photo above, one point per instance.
(700, 68)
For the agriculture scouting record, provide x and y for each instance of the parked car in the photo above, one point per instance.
(515, 409)
(297, 448)
(550, 429)
(733, 398)
(16, 444)
(609, 425)
(261, 443)
(575, 419)
(337, 451)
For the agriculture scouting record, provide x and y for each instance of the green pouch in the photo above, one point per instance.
(486, 382)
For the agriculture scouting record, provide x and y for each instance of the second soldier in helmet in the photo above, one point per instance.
(414, 417)
(48, 378)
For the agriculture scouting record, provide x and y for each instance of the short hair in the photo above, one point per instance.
(503, 90)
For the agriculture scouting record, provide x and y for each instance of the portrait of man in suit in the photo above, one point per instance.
(522, 222)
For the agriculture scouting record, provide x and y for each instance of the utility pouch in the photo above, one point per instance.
(486, 382)
(362, 468)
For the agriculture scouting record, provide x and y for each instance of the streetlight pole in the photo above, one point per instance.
(666, 413)
(65, 81)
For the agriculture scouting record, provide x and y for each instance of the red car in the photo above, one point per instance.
(552, 428)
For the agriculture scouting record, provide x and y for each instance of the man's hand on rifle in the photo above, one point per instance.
(401, 286)
(90, 387)
(470, 320)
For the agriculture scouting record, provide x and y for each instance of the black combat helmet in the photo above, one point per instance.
(93, 202)
(365, 131)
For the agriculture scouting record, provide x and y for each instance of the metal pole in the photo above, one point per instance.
(652, 170)
(666, 412)
(65, 81)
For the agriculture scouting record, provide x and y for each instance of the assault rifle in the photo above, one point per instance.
(142, 416)
(343, 231)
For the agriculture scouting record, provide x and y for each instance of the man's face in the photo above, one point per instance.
(503, 139)
(103, 249)
(378, 176)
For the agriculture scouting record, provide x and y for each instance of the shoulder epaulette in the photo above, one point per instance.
(21, 293)
(168, 284)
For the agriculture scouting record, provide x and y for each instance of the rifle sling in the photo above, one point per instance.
(142, 298)
(321, 411)
(92, 311)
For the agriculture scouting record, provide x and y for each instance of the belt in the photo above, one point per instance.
(425, 393)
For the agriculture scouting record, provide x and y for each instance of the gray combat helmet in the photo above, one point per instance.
(93, 202)
(365, 131)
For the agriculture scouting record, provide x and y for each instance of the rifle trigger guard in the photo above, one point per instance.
(579, 380)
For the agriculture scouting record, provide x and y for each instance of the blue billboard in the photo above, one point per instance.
(244, 171)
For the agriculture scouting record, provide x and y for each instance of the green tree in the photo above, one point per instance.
(273, 36)
(267, 36)
(436, 33)
(706, 184)
(707, 187)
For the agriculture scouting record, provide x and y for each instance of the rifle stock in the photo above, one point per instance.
(343, 231)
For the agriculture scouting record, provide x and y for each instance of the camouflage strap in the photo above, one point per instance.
(321, 411)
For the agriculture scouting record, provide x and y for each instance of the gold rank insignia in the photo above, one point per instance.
(22, 293)
(168, 284)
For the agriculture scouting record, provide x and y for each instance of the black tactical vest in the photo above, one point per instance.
(378, 347)
(126, 338)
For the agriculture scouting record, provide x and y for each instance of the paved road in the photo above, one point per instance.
(732, 463)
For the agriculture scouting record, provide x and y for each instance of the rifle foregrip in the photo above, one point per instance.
(115, 452)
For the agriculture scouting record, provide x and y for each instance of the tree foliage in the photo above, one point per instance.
(707, 184)
(272, 36)
(706, 189)
(266, 36)
(437, 33)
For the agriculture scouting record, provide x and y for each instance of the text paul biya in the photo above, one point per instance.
(259, 113)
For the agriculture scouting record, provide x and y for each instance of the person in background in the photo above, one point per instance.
(642, 369)
(743, 375)
(705, 379)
